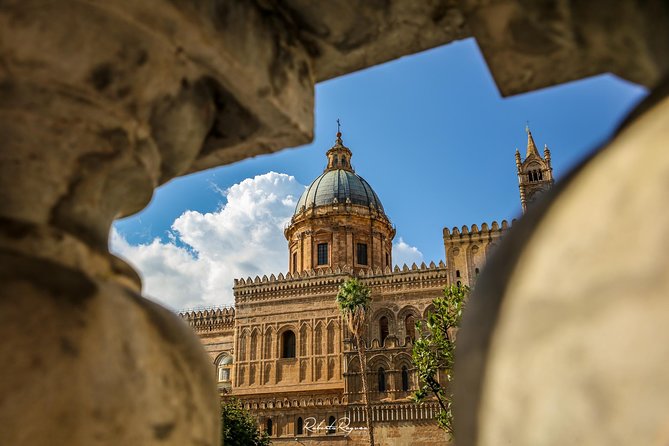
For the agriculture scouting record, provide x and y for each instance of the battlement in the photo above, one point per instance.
(209, 319)
(474, 231)
(327, 280)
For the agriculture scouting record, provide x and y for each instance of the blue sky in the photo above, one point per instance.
(430, 133)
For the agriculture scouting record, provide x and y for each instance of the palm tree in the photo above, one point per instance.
(354, 300)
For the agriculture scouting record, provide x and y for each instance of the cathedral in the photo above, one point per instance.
(283, 350)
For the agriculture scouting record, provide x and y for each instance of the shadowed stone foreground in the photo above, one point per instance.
(101, 102)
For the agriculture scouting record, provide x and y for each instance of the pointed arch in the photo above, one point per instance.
(242, 345)
(304, 340)
(254, 344)
(268, 343)
(331, 337)
(318, 339)
(383, 325)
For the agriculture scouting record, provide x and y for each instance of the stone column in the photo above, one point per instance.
(99, 104)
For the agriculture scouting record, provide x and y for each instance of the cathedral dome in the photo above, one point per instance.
(339, 186)
(339, 221)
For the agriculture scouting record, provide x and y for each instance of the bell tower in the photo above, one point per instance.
(535, 174)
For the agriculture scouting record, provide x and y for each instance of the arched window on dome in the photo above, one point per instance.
(361, 253)
(300, 426)
(268, 427)
(383, 329)
(322, 254)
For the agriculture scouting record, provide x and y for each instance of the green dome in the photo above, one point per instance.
(339, 186)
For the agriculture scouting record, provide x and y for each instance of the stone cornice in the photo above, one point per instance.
(213, 319)
(327, 281)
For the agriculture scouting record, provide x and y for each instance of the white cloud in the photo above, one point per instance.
(403, 253)
(208, 251)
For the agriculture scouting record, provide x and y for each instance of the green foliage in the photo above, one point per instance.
(434, 351)
(354, 299)
(239, 426)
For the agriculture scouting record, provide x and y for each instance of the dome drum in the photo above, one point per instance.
(339, 221)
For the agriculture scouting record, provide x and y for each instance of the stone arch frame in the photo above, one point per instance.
(379, 359)
(404, 359)
(254, 350)
(318, 338)
(374, 326)
(373, 364)
(353, 369)
(242, 341)
(303, 340)
(401, 319)
(429, 308)
(268, 347)
(222, 355)
(331, 327)
(219, 365)
(476, 259)
(279, 339)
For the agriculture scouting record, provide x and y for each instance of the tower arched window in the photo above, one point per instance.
(405, 378)
(381, 377)
(224, 365)
(288, 344)
(457, 273)
(383, 329)
(476, 270)
(410, 326)
(332, 425)
(300, 426)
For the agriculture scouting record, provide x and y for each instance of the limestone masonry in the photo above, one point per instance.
(283, 349)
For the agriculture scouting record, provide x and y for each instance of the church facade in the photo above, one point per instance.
(284, 351)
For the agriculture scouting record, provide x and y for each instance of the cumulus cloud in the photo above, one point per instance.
(405, 253)
(208, 251)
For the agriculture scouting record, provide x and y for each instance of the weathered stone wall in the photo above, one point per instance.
(467, 250)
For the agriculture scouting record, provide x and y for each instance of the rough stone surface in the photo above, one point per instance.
(567, 338)
(100, 102)
(531, 44)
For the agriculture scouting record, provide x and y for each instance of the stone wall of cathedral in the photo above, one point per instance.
(295, 368)
(468, 248)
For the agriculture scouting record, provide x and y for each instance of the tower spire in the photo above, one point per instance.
(531, 146)
(535, 174)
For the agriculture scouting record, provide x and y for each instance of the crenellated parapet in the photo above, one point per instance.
(211, 319)
(473, 232)
(327, 281)
(468, 247)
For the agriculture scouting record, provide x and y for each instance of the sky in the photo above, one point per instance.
(430, 133)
